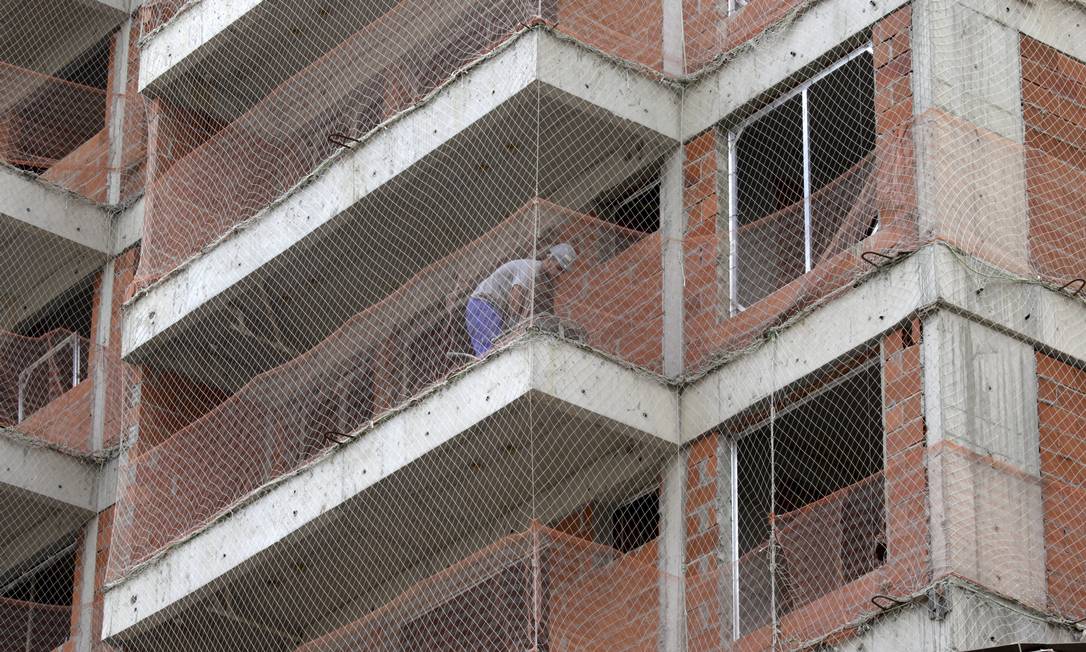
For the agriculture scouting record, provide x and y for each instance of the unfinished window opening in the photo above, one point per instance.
(36, 602)
(736, 5)
(70, 311)
(633, 204)
(76, 93)
(46, 581)
(91, 67)
(636, 523)
(801, 179)
(811, 473)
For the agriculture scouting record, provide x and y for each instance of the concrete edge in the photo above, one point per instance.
(132, 604)
(49, 473)
(935, 277)
(534, 56)
(53, 210)
(816, 32)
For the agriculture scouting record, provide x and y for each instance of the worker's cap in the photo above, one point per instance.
(564, 254)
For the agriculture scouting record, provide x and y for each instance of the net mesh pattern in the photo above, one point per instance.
(541, 325)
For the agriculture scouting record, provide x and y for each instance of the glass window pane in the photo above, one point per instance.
(842, 128)
(769, 169)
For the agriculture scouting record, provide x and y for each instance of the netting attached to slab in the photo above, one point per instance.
(560, 325)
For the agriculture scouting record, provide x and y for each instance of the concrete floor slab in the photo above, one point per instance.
(64, 236)
(493, 104)
(540, 402)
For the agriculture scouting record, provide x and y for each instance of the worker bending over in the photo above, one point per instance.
(505, 297)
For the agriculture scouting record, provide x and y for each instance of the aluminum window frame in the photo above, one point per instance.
(733, 453)
(735, 133)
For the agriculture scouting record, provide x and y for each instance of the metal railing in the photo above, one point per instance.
(48, 358)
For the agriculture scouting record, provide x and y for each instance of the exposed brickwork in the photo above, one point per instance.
(629, 29)
(1054, 110)
(1062, 418)
(895, 151)
(710, 32)
(705, 295)
(905, 475)
(709, 328)
(706, 577)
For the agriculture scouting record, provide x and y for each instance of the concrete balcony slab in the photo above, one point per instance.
(556, 425)
(487, 123)
(45, 495)
(51, 240)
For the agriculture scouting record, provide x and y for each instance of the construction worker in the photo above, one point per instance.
(505, 297)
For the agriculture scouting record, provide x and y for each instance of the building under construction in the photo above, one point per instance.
(542, 325)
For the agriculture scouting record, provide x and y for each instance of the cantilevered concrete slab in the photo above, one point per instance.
(44, 496)
(219, 43)
(974, 619)
(485, 120)
(44, 36)
(541, 414)
(934, 278)
(64, 236)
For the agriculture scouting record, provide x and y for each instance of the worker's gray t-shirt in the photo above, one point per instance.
(496, 287)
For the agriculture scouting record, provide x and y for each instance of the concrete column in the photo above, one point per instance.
(118, 92)
(85, 636)
(672, 228)
(674, 59)
(672, 556)
(980, 407)
(969, 132)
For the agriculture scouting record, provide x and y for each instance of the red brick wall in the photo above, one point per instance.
(705, 296)
(709, 328)
(1054, 109)
(630, 29)
(1062, 419)
(707, 579)
(619, 303)
(895, 153)
(710, 32)
(169, 402)
(906, 475)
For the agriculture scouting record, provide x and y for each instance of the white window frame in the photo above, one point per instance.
(733, 175)
(733, 451)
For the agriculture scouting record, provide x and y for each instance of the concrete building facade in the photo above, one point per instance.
(815, 378)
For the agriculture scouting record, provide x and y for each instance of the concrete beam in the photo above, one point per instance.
(121, 7)
(127, 227)
(1057, 23)
(967, 619)
(934, 277)
(752, 71)
(858, 316)
(534, 57)
(640, 406)
(187, 33)
(48, 473)
(56, 212)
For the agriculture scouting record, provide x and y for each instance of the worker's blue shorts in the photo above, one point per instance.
(484, 324)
